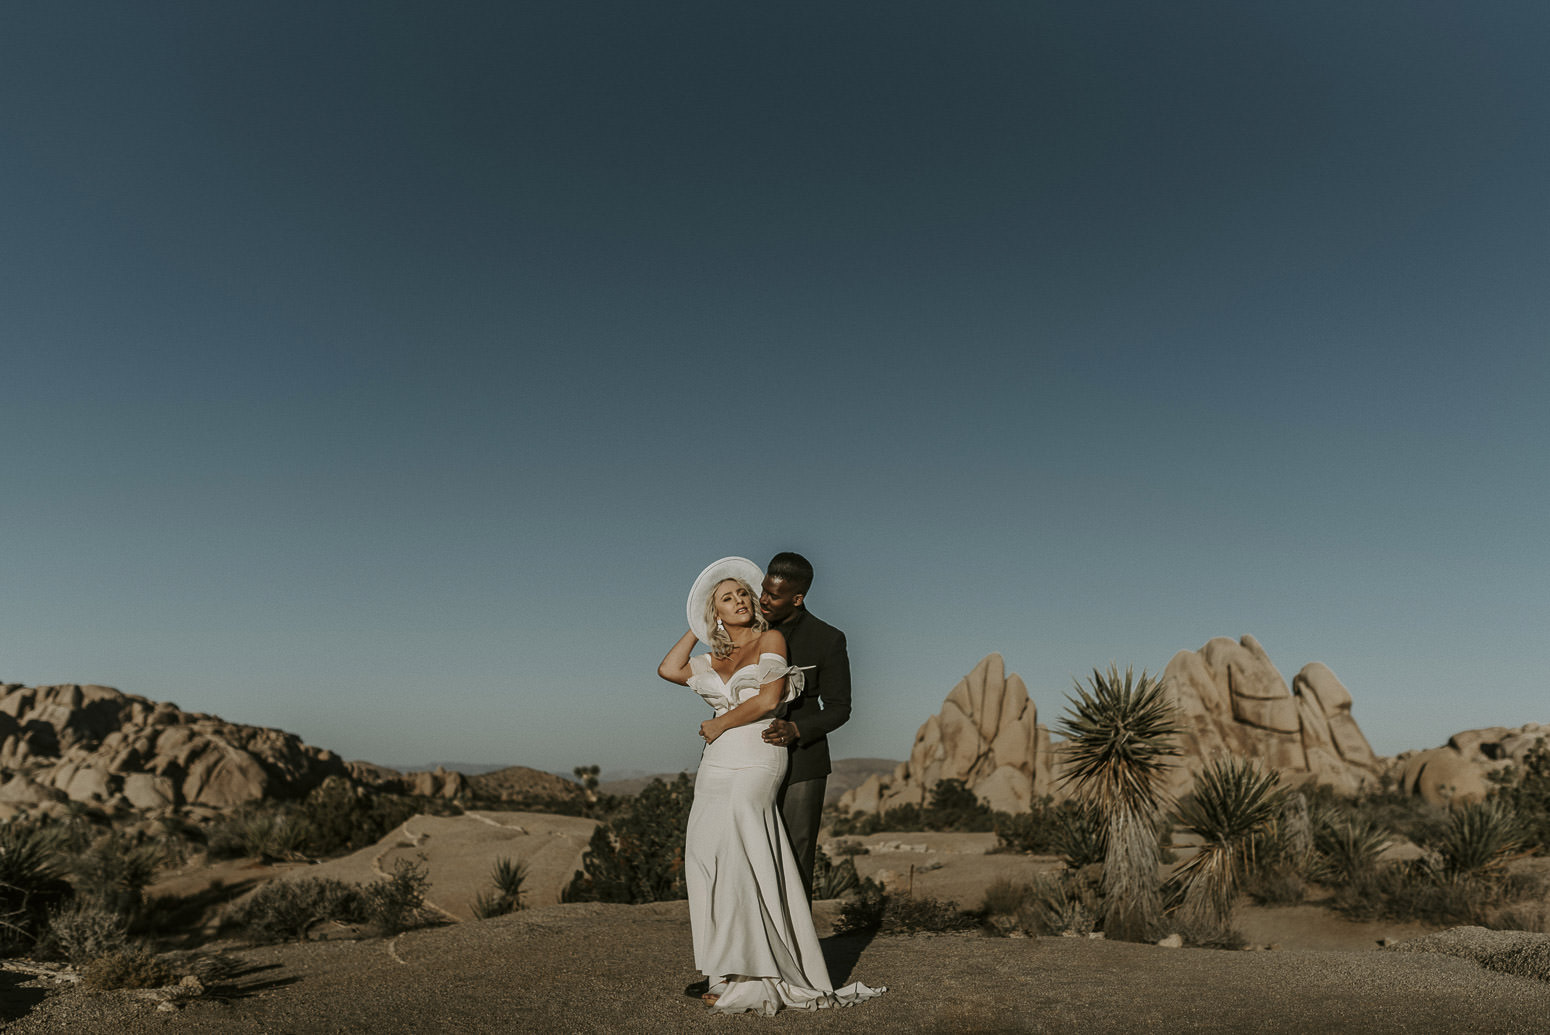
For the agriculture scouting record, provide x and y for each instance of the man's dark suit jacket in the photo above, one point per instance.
(825, 702)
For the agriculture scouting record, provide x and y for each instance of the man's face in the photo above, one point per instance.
(779, 599)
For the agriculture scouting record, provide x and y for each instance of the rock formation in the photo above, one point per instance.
(97, 746)
(986, 735)
(1458, 771)
(1230, 699)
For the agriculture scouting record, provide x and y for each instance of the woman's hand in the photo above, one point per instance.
(710, 729)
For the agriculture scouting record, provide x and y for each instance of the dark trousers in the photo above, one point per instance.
(801, 808)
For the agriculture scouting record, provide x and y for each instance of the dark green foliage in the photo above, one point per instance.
(831, 879)
(874, 909)
(336, 818)
(1525, 788)
(507, 877)
(953, 808)
(129, 968)
(1232, 809)
(1479, 841)
(638, 855)
(31, 883)
(114, 872)
(1346, 850)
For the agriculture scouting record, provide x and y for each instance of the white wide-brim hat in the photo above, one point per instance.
(707, 580)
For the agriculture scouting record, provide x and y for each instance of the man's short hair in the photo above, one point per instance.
(792, 568)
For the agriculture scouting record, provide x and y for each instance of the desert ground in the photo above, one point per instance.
(613, 968)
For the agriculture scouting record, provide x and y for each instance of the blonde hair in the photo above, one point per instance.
(721, 645)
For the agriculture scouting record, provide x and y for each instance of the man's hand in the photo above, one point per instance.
(781, 733)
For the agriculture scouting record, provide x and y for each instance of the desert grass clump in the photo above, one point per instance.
(288, 910)
(507, 876)
(1232, 809)
(113, 873)
(1480, 840)
(1063, 903)
(82, 932)
(128, 968)
(1121, 736)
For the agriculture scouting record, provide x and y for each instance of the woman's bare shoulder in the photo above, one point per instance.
(772, 641)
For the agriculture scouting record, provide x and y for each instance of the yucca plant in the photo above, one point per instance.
(1121, 735)
(508, 876)
(1232, 809)
(1081, 835)
(1346, 850)
(1479, 841)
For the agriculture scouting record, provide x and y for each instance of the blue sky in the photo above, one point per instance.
(385, 372)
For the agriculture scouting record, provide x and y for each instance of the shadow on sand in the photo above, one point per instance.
(840, 953)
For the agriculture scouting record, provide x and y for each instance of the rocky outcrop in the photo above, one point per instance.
(95, 745)
(986, 735)
(1460, 770)
(1232, 700)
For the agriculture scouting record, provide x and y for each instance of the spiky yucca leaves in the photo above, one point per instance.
(1346, 850)
(1121, 735)
(1233, 808)
(1480, 839)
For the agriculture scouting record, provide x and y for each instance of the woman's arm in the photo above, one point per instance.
(761, 705)
(675, 667)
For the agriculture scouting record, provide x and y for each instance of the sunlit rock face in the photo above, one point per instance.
(1460, 770)
(97, 746)
(1230, 700)
(986, 735)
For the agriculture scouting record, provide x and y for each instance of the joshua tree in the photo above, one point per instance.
(586, 775)
(1120, 737)
(1233, 807)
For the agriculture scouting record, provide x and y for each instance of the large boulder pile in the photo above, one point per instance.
(95, 745)
(1230, 700)
(987, 735)
(1459, 771)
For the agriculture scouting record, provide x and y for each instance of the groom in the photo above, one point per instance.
(804, 725)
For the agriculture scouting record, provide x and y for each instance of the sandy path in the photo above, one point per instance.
(595, 968)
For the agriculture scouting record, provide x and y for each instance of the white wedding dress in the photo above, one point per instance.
(753, 927)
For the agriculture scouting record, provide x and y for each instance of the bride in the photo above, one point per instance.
(753, 930)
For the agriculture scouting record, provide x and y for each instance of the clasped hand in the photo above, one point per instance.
(710, 729)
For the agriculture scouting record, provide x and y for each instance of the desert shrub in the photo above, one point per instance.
(831, 879)
(286, 910)
(82, 931)
(638, 856)
(397, 902)
(1004, 897)
(128, 968)
(952, 808)
(1525, 787)
(1051, 904)
(335, 818)
(874, 909)
(114, 872)
(1417, 890)
(1479, 841)
(1232, 809)
(267, 831)
(31, 883)
(848, 848)
(1346, 850)
(507, 876)
(1069, 828)
(1081, 835)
